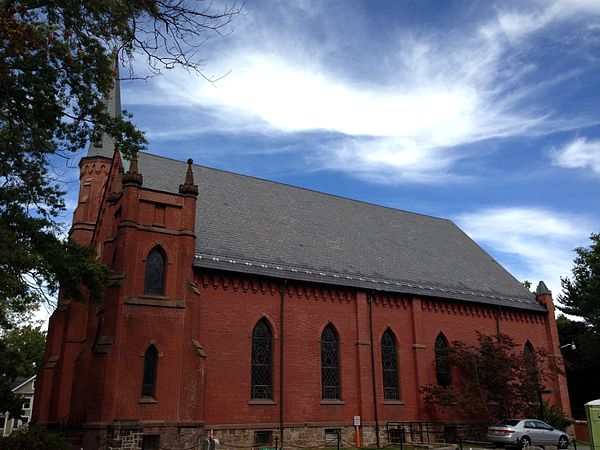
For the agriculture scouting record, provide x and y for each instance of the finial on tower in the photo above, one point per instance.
(133, 176)
(188, 187)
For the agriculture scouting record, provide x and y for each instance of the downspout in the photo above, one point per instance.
(370, 302)
(282, 289)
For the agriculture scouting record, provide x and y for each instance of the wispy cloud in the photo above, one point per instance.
(531, 17)
(535, 244)
(438, 93)
(579, 154)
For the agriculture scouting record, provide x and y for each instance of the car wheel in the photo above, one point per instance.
(563, 441)
(525, 442)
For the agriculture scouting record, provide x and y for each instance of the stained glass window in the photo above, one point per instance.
(149, 379)
(330, 364)
(389, 365)
(442, 367)
(262, 361)
(155, 272)
(532, 375)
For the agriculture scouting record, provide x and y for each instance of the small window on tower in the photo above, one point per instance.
(155, 272)
(149, 376)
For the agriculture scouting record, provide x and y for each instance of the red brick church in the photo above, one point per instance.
(253, 310)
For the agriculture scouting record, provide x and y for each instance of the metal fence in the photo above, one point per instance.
(434, 432)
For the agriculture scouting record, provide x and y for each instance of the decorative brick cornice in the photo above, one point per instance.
(385, 300)
(265, 286)
(449, 307)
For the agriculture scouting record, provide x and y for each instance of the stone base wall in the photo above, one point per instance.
(131, 435)
(309, 436)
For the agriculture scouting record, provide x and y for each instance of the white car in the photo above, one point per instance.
(526, 432)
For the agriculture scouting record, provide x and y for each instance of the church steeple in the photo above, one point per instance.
(94, 169)
(105, 148)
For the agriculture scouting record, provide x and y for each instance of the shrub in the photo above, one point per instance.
(33, 438)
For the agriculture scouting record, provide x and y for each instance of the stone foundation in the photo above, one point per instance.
(131, 435)
(308, 435)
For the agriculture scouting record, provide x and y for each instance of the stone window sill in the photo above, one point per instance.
(155, 301)
(333, 402)
(393, 402)
(150, 400)
(262, 401)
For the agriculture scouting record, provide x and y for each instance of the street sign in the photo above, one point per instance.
(357, 421)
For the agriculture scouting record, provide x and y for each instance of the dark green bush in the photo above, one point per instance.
(33, 438)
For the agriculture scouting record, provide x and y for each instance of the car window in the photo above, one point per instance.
(529, 424)
(509, 422)
(542, 425)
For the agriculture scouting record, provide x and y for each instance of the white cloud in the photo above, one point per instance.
(535, 244)
(438, 93)
(579, 154)
(518, 24)
(388, 160)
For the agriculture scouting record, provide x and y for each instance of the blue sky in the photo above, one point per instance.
(486, 113)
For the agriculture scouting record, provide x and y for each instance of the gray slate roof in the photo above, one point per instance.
(249, 225)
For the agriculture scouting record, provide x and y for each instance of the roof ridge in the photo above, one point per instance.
(280, 183)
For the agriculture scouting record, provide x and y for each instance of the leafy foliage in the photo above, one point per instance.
(581, 365)
(553, 415)
(21, 351)
(495, 379)
(57, 63)
(33, 438)
(581, 293)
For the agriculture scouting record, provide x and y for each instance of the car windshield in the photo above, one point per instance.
(509, 422)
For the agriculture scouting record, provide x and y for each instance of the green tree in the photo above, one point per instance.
(493, 379)
(582, 365)
(21, 351)
(56, 64)
(581, 293)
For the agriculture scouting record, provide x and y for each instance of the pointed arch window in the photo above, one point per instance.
(531, 368)
(149, 376)
(155, 272)
(262, 361)
(389, 365)
(528, 349)
(442, 367)
(330, 364)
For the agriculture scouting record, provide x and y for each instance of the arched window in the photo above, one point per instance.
(532, 374)
(528, 349)
(262, 361)
(330, 364)
(442, 367)
(389, 365)
(155, 272)
(149, 377)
